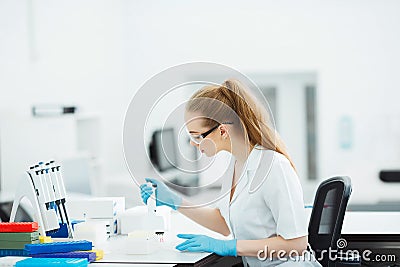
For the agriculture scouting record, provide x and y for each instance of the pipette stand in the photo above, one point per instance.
(26, 189)
(46, 218)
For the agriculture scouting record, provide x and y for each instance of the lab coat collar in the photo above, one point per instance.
(260, 164)
(253, 160)
(251, 165)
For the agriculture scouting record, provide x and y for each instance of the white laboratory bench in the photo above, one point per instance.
(355, 223)
(369, 222)
(165, 254)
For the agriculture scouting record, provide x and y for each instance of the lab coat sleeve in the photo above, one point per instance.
(284, 197)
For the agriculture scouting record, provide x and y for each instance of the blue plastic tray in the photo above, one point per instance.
(13, 252)
(44, 262)
(58, 247)
(90, 256)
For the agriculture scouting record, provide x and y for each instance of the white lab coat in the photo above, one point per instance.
(268, 201)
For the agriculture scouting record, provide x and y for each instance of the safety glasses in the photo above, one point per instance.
(197, 139)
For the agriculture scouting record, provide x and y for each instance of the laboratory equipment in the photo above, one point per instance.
(140, 218)
(99, 253)
(24, 236)
(391, 176)
(163, 149)
(181, 171)
(140, 242)
(13, 252)
(10, 261)
(52, 110)
(94, 231)
(45, 239)
(18, 227)
(43, 186)
(14, 236)
(45, 262)
(11, 244)
(16, 244)
(90, 256)
(98, 209)
(58, 247)
(151, 201)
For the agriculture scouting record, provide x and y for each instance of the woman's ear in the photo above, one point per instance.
(223, 130)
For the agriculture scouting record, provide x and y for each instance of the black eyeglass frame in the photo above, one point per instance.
(204, 135)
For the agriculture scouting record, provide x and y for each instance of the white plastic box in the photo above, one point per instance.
(138, 218)
(101, 208)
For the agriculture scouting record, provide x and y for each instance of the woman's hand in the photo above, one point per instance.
(164, 195)
(203, 243)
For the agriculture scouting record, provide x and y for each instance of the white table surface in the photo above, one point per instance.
(165, 253)
(369, 222)
(354, 223)
(361, 222)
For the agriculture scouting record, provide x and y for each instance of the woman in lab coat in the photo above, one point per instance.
(261, 204)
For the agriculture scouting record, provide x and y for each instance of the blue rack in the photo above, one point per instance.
(44, 262)
(58, 247)
(90, 256)
(13, 252)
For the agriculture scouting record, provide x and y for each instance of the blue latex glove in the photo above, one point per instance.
(164, 195)
(203, 243)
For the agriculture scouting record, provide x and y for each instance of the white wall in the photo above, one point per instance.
(66, 52)
(352, 45)
(97, 53)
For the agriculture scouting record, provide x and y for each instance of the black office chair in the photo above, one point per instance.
(327, 219)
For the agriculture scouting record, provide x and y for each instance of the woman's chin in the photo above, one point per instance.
(209, 154)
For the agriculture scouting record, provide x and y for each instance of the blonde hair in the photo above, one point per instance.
(236, 104)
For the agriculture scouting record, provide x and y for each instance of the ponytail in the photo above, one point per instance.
(234, 102)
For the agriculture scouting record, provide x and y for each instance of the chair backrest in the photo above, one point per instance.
(327, 216)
